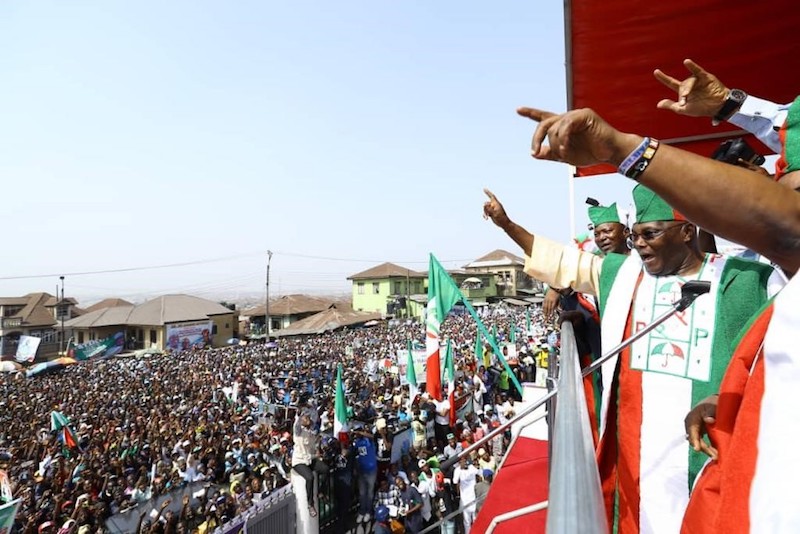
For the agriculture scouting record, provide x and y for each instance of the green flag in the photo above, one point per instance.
(494, 333)
(446, 288)
(513, 336)
(411, 376)
(450, 372)
(340, 405)
(480, 356)
(442, 296)
(527, 319)
(7, 514)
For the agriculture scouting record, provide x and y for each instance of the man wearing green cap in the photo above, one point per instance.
(646, 465)
(610, 235)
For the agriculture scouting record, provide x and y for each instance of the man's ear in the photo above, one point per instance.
(689, 232)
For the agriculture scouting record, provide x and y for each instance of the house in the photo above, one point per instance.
(285, 311)
(167, 322)
(386, 289)
(37, 315)
(506, 269)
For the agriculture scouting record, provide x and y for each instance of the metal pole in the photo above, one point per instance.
(61, 344)
(689, 292)
(266, 304)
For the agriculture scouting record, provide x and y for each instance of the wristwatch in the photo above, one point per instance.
(732, 104)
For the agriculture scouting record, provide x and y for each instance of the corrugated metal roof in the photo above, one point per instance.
(325, 321)
(386, 270)
(156, 312)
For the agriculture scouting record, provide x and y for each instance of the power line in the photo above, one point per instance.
(206, 261)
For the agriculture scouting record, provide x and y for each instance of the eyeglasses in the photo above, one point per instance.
(652, 235)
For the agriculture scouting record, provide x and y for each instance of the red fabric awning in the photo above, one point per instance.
(613, 48)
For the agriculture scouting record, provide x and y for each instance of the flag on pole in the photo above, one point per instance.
(411, 377)
(494, 333)
(481, 356)
(527, 319)
(513, 333)
(57, 421)
(442, 296)
(340, 405)
(60, 423)
(7, 514)
(443, 293)
(450, 372)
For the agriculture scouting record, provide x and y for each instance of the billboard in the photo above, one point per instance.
(27, 347)
(185, 336)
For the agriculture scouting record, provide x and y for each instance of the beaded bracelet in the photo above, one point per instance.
(638, 160)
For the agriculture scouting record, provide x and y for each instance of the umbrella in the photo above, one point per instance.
(9, 367)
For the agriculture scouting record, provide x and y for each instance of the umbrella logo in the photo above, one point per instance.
(666, 350)
(672, 289)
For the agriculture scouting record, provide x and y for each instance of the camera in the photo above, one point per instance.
(732, 150)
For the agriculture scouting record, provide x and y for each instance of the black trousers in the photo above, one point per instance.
(307, 472)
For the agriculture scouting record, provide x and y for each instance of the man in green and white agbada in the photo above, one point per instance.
(646, 465)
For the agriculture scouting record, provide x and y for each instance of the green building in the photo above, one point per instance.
(387, 288)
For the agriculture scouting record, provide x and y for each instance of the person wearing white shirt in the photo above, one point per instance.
(442, 420)
(426, 489)
(465, 476)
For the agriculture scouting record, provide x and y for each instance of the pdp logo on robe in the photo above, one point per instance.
(670, 357)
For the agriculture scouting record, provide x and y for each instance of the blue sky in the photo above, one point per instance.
(152, 133)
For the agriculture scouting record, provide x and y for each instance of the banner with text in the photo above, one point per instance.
(104, 348)
(27, 347)
(184, 336)
(401, 361)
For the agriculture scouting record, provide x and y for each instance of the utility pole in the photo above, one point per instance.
(60, 307)
(266, 304)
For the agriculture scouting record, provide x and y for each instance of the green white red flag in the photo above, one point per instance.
(442, 296)
(340, 406)
(411, 377)
(450, 373)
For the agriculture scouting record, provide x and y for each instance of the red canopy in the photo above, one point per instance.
(614, 46)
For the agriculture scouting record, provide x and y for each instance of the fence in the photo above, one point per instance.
(274, 514)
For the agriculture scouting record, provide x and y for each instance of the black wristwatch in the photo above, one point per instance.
(732, 104)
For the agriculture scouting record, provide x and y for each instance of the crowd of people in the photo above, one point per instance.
(235, 421)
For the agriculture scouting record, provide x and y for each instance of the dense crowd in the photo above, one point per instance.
(227, 420)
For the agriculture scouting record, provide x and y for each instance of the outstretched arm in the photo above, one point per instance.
(761, 215)
(492, 209)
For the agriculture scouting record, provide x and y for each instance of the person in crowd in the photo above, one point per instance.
(304, 455)
(382, 524)
(465, 477)
(387, 494)
(367, 469)
(482, 488)
(635, 434)
(425, 488)
(410, 506)
(343, 470)
(444, 504)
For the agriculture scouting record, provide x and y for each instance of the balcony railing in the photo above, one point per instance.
(10, 322)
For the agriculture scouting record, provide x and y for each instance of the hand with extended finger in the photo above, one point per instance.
(580, 137)
(700, 95)
(492, 209)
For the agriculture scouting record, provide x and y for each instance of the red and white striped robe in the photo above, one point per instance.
(750, 487)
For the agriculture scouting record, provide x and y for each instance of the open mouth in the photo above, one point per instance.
(647, 259)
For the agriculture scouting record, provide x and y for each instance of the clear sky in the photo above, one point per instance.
(153, 133)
